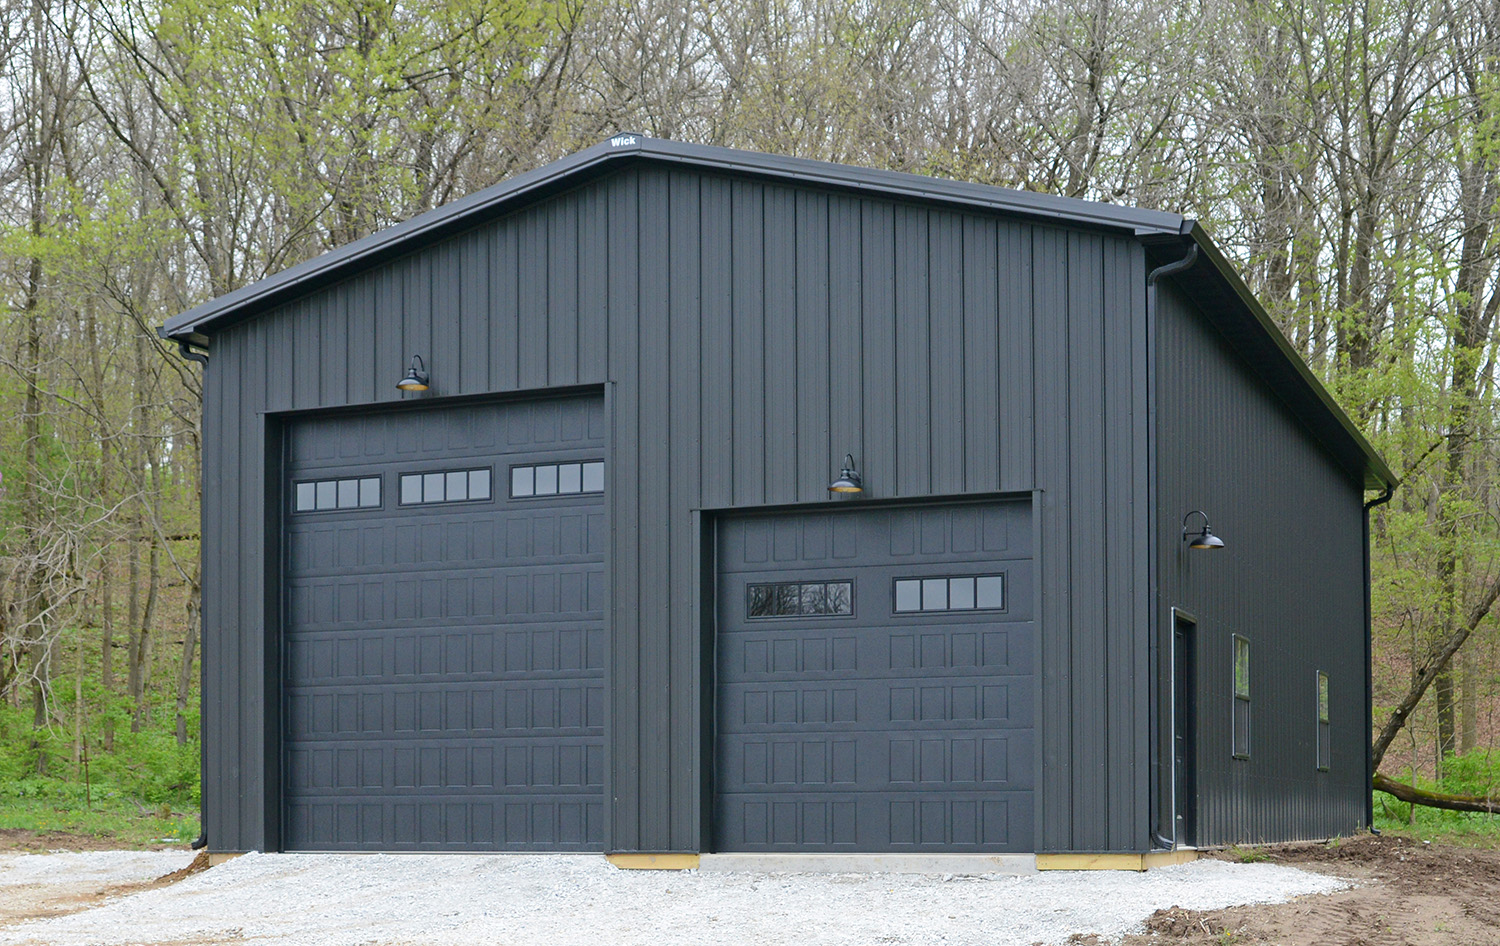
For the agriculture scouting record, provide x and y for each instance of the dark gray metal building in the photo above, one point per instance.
(590, 589)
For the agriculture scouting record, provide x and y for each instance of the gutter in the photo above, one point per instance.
(1380, 500)
(1153, 645)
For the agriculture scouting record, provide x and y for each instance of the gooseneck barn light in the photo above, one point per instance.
(849, 480)
(416, 376)
(1204, 539)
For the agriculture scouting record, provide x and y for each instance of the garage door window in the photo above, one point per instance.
(556, 479)
(801, 599)
(445, 486)
(354, 493)
(955, 593)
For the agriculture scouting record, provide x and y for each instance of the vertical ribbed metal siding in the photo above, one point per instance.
(750, 335)
(1289, 580)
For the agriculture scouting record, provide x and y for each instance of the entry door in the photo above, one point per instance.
(1184, 786)
(444, 646)
(875, 680)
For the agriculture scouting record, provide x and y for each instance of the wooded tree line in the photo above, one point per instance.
(156, 154)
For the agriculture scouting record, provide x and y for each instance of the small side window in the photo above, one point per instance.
(445, 486)
(1241, 710)
(323, 495)
(1325, 732)
(556, 479)
(800, 599)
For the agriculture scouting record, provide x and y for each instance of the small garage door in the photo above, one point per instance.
(875, 680)
(444, 647)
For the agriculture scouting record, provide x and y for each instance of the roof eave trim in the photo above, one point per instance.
(1383, 476)
(468, 211)
(293, 281)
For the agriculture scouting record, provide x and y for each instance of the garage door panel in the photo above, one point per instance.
(444, 656)
(997, 760)
(955, 822)
(996, 532)
(890, 703)
(876, 721)
(855, 653)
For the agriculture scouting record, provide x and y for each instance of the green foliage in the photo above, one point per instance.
(1475, 773)
(148, 769)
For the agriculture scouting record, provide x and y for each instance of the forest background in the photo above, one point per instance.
(1344, 153)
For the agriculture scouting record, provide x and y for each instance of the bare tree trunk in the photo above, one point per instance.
(185, 669)
(1468, 734)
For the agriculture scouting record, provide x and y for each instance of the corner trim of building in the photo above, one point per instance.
(1135, 862)
(653, 861)
(215, 858)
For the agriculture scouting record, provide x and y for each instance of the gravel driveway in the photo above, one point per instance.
(334, 900)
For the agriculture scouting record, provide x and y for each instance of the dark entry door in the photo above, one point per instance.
(875, 680)
(444, 645)
(1184, 785)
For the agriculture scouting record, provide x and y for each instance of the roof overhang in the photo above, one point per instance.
(1232, 308)
(1237, 314)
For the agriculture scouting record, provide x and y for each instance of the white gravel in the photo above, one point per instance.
(563, 900)
(103, 868)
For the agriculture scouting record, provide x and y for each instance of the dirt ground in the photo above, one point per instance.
(34, 842)
(1410, 894)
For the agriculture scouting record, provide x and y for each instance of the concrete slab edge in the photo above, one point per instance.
(969, 864)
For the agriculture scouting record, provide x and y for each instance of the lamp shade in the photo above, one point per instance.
(416, 376)
(1203, 538)
(849, 480)
(1206, 540)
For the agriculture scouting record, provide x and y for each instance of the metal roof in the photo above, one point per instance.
(1236, 313)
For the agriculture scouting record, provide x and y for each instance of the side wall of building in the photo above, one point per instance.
(1289, 580)
(748, 335)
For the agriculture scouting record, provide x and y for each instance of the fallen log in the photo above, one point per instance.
(1419, 796)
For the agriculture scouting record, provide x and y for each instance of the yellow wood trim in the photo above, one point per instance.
(1089, 862)
(1136, 862)
(214, 860)
(653, 861)
(1170, 858)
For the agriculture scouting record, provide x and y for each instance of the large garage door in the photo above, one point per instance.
(444, 647)
(875, 689)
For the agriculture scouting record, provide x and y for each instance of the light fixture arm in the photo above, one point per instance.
(1203, 539)
(416, 377)
(1195, 512)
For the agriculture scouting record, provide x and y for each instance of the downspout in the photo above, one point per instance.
(201, 841)
(1380, 500)
(187, 352)
(1153, 648)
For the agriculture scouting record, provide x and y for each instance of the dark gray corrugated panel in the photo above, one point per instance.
(1289, 580)
(1231, 307)
(1245, 323)
(792, 286)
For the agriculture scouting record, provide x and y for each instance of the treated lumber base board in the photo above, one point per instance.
(653, 861)
(1136, 862)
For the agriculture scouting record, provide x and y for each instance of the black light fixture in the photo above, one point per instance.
(849, 480)
(1200, 540)
(416, 376)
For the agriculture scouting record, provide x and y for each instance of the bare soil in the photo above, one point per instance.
(36, 842)
(1409, 893)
